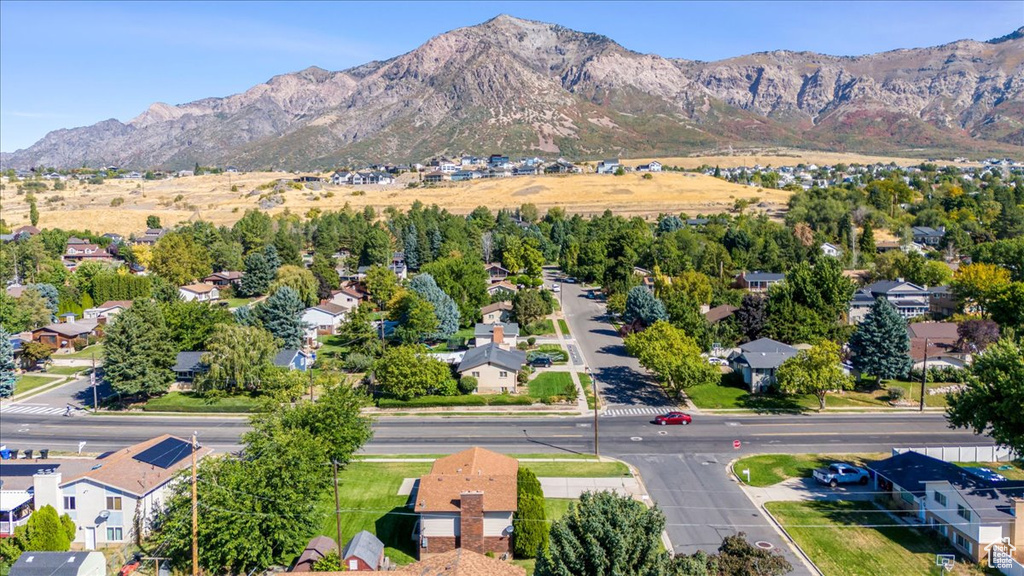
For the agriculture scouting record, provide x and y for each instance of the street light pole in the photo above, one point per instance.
(92, 375)
(597, 445)
(924, 376)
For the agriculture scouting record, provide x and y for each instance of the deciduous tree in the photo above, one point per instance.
(237, 357)
(382, 284)
(672, 356)
(178, 259)
(405, 372)
(415, 316)
(299, 279)
(992, 402)
(815, 371)
(978, 284)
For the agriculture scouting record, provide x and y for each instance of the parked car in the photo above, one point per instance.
(673, 418)
(569, 280)
(841, 473)
(718, 361)
(541, 362)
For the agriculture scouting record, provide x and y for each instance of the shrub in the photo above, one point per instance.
(116, 202)
(358, 362)
(530, 536)
(896, 393)
(509, 400)
(467, 384)
(531, 340)
(648, 176)
(523, 377)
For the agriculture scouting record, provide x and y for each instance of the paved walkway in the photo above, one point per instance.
(797, 489)
(581, 396)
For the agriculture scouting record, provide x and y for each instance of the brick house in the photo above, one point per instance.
(467, 501)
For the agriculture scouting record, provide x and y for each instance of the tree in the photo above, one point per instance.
(382, 284)
(31, 311)
(190, 324)
(260, 270)
(642, 305)
(881, 345)
(335, 418)
(978, 284)
(528, 306)
(416, 317)
(411, 247)
(138, 353)
(976, 335)
(991, 403)
(866, 242)
(7, 376)
(179, 259)
(445, 309)
(1007, 307)
(672, 356)
(753, 316)
(33, 211)
(49, 293)
(34, 353)
(602, 534)
(530, 538)
(465, 280)
(281, 315)
(738, 557)
(236, 357)
(377, 247)
(697, 285)
(152, 221)
(405, 372)
(46, 531)
(815, 371)
(684, 313)
(253, 230)
(299, 279)
(325, 271)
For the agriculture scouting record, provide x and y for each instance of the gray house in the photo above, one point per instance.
(495, 368)
(758, 360)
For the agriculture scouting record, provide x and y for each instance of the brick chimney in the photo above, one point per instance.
(472, 521)
(499, 335)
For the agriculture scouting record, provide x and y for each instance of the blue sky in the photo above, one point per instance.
(73, 64)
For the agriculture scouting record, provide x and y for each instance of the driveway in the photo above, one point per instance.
(797, 489)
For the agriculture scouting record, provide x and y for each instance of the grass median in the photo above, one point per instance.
(770, 469)
(730, 394)
(189, 402)
(28, 383)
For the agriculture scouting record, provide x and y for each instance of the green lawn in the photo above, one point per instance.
(840, 539)
(190, 402)
(25, 383)
(87, 352)
(238, 302)
(578, 469)
(538, 328)
(730, 395)
(462, 400)
(548, 384)
(564, 327)
(768, 469)
(588, 390)
(557, 354)
(66, 370)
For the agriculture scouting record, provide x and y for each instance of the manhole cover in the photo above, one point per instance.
(636, 438)
(662, 432)
(583, 425)
(764, 545)
(732, 423)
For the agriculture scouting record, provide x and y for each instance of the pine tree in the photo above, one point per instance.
(138, 353)
(445, 309)
(49, 293)
(46, 532)
(641, 304)
(530, 535)
(281, 315)
(866, 242)
(260, 270)
(6, 365)
(412, 248)
(881, 345)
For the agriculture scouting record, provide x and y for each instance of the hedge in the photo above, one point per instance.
(464, 400)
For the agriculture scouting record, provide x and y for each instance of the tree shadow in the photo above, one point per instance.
(624, 385)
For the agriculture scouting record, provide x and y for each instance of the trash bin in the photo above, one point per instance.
(5, 454)
(28, 454)
(44, 454)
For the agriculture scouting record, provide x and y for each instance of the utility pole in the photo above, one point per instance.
(310, 384)
(924, 375)
(195, 513)
(92, 376)
(337, 507)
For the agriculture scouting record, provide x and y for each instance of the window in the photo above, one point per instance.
(940, 498)
(113, 502)
(115, 534)
(69, 502)
(475, 374)
(502, 374)
(353, 565)
(963, 542)
(963, 512)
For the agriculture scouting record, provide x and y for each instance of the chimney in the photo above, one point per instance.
(499, 335)
(46, 490)
(472, 521)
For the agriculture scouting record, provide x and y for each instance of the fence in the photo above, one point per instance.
(1014, 569)
(964, 453)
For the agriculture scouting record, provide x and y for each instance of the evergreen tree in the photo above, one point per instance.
(49, 293)
(152, 221)
(260, 270)
(7, 377)
(435, 243)
(718, 172)
(866, 242)
(412, 248)
(246, 316)
(281, 315)
(138, 353)
(530, 535)
(47, 532)
(642, 305)
(605, 533)
(881, 345)
(445, 309)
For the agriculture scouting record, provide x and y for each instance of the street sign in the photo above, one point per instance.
(736, 444)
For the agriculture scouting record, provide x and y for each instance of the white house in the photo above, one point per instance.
(653, 166)
(347, 298)
(112, 498)
(325, 317)
(831, 250)
(107, 310)
(201, 292)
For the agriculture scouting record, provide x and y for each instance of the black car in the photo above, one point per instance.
(541, 362)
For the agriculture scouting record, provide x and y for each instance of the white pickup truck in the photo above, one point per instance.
(840, 473)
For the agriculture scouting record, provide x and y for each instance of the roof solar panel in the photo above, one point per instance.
(165, 453)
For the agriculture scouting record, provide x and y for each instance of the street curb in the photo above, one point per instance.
(61, 380)
(893, 410)
(793, 546)
(648, 501)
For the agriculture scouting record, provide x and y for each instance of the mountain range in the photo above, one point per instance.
(530, 88)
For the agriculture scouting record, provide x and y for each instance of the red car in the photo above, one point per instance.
(673, 418)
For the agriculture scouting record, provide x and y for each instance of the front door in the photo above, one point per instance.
(90, 538)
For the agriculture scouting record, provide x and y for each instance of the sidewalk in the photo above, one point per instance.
(581, 395)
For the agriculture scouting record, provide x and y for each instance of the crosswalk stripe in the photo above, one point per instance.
(636, 411)
(23, 409)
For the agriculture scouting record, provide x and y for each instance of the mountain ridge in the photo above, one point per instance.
(527, 87)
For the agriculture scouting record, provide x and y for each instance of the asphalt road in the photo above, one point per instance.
(621, 381)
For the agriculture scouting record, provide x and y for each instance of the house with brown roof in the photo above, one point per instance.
(347, 297)
(224, 278)
(467, 502)
(201, 292)
(106, 497)
(460, 562)
(325, 318)
(941, 341)
(107, 310)
(719, 313)
(63, 334)
(503, 287)
(496, 313)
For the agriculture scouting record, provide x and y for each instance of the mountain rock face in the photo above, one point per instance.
(523, 87)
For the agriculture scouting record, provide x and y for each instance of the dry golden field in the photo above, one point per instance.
(781, 157)
(209, 197)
